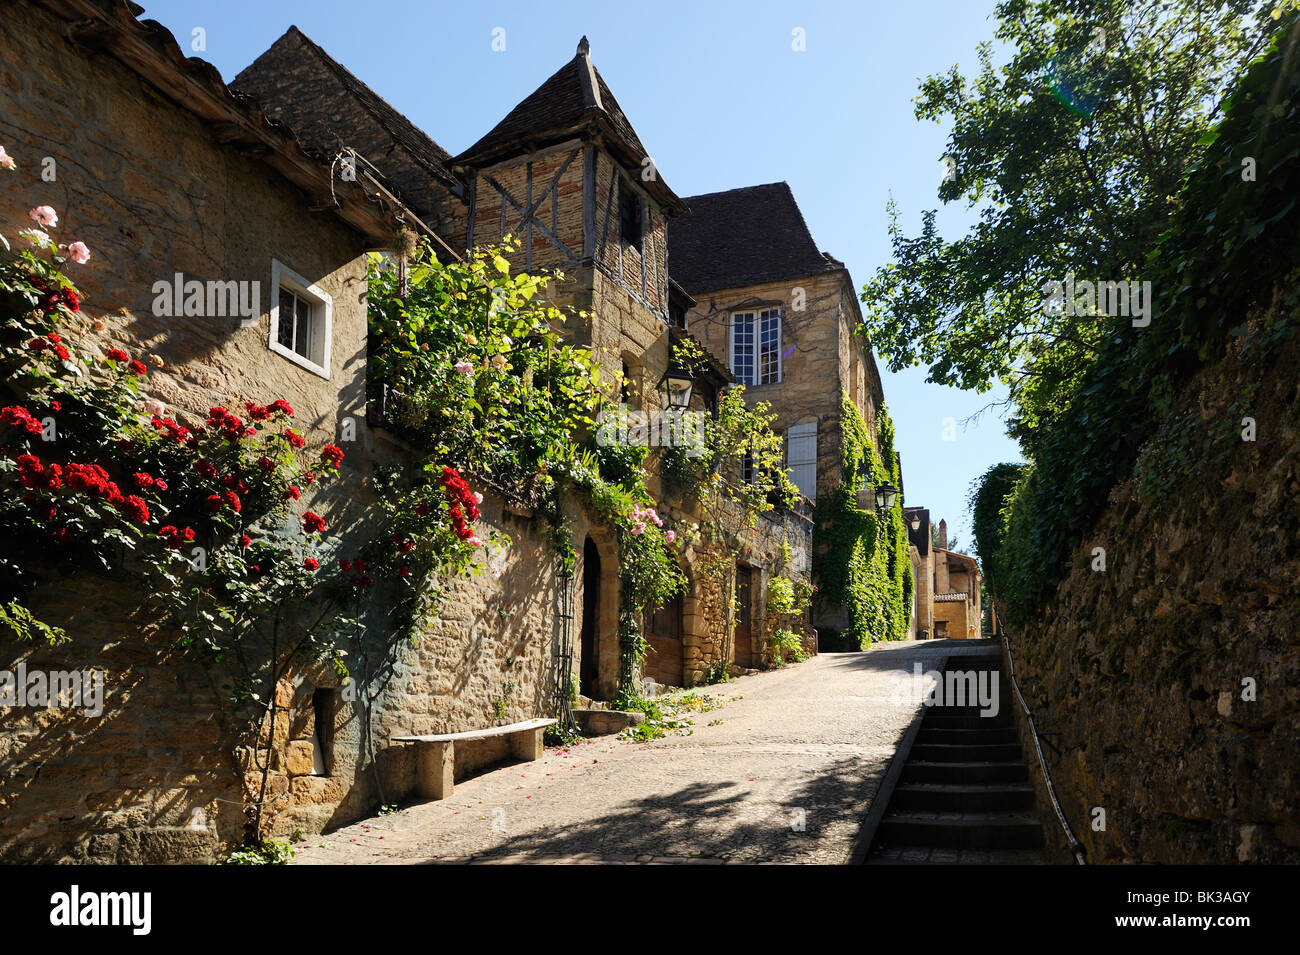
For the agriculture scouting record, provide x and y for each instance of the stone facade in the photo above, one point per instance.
(1171, 677)
(155, 187)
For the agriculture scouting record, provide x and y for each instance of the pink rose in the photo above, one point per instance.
(6, 160)
(670, 536)
(464, 367)
(475, 542)
(478, 498)
(638, 527)
(79, 253)
(36, 237)
(45, 215)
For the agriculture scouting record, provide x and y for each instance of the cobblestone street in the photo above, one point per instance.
(812, 741)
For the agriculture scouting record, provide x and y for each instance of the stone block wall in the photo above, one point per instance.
(1173, 675)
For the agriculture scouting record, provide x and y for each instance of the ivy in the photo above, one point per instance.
(860, 557)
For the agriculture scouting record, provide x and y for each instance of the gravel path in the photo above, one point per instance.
(808, 744)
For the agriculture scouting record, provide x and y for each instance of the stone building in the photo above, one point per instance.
(781, 315)
(565, 174)
(955, 586)
(173, 172)
(921, 550)
(169, 173)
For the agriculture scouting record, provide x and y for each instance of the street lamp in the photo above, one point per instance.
(916, 522)
(675, 387)
(885, 496)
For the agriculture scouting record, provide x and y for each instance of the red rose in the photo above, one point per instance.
(266, 464)
(311, 564)
(294, 438)
(245, 540)
(312, 523)
(54, 337)
(293, 493)
(37, 344)
(159, 484)
(136, 508)
(142, 480)
(345, 565)
(232, 500)
(116, 354)
(332, 455)
(280, 405)
(422, 509)
(214, 502)
(404, 571)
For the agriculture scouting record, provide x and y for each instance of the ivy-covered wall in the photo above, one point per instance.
(860, 557)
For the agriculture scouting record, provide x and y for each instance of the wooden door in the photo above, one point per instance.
(744, 656)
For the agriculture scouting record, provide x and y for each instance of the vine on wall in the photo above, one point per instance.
(860, 558)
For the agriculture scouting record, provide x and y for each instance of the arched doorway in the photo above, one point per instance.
(588, 670)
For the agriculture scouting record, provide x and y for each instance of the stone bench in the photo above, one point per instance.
(436, 755)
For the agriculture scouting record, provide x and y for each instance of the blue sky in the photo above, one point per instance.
(721, 99)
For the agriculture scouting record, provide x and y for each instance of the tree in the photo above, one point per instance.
(1075, 151)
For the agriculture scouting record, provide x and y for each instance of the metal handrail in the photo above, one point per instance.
(1076, 847)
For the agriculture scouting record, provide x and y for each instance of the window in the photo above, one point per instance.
(301, 315)
(801, 457)
(629, 216)
(748, 475)
(756, 347)
(677, 315)
(324, 703)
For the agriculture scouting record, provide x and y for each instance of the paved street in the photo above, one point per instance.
(812, 741)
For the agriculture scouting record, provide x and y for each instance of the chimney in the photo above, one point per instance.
(942, 584)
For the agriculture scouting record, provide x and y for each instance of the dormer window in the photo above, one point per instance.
(629, 216)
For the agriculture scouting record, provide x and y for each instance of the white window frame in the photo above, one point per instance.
(322, 307)
(755, 321)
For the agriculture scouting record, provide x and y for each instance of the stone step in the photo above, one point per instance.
(935, 720)
(962, 830)
(981, 734)
(937, 797)
(929, 855)
(964, 773)
(1001, 716)
(965, 752)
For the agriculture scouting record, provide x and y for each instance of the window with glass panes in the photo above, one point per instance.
(296, 329)
(756, 346)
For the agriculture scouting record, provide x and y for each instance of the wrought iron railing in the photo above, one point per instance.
(1076, 847)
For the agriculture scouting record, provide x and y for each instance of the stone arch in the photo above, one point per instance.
(604, 640)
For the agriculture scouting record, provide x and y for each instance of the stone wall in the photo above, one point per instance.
(1173, 675)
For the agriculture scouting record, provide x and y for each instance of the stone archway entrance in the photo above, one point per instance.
(589, 670)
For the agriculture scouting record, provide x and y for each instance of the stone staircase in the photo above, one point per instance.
(965, 795)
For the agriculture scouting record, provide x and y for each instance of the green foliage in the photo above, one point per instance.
(988, 496)
(1228, 246)
(669, 715)
(265, 852)
(1074, 152)
(471, 367)
(716, 672)
(787, 647)
(866, 565)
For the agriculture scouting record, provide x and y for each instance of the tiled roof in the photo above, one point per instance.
(574, 98)
(305, 105)
(951, 598)
(742, 237)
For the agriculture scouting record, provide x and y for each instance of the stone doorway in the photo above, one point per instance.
(589, 669)
(744, 643)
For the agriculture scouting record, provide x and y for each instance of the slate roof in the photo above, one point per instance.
(741, 237)
(304, 105)
(573, 100)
